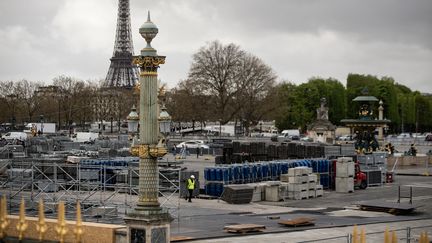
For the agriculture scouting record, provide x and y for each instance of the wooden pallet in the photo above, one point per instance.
(296, 222)
(244, 228)
(179, 238)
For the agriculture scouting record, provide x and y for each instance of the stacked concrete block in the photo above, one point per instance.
(344, 175)
(301, 183)
(298, 178)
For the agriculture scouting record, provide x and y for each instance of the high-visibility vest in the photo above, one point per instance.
(191, 184)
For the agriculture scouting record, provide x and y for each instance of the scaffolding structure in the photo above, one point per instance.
(105, 192)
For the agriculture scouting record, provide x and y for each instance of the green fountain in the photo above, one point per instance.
(364, 128)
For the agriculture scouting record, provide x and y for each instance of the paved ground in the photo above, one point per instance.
(335, 213)
(374, 233)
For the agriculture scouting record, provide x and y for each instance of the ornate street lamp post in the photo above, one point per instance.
(148, 222)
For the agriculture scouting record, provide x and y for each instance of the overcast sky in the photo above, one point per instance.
(41, 39)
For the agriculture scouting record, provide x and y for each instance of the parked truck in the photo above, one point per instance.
(45, 128)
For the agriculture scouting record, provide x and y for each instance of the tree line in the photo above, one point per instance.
(66, 102)
(224, 83)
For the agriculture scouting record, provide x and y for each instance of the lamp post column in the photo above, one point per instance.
(148, 222)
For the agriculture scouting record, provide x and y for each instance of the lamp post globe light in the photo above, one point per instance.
(164, 121)
(148, 221)
(132, 121)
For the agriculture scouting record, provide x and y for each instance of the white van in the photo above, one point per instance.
(15, 135)
(290, 133)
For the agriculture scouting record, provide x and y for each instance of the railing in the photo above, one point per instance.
(22, 224)
(418, 234)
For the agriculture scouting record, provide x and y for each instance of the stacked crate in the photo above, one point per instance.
(375, 167)
(380, 161)
(345, 175)
(302, 184)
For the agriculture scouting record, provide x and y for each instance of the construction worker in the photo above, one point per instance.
(412, 151)
(190, 185)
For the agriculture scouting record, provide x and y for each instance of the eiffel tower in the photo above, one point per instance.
(122, 73)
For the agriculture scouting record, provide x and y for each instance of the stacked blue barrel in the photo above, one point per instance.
(218, 176)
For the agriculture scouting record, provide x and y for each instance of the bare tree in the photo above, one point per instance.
(256, 81)
(69, 93)
(187, 103)
(10, 98)
(214, 73)
(236, 82)
(26, 92)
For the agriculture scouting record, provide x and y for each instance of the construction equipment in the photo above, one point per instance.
(360, 178)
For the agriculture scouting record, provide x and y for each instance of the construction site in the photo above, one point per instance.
(86, 172)
(306, 191)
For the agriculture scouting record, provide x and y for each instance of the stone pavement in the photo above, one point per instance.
(341, 233)
(205, 219)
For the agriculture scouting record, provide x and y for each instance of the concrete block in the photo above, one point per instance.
(272, 193)
(345, 184)
(284, 177)
(298, 179)
(312, 194)
(312, 178)
(319, 187)
(258, 191)
(312, 185)
(256, 197)
(319, 193)
(345, 169)
(298, 187)
(299, 171)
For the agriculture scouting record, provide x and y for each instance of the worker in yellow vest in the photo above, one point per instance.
(190, 185)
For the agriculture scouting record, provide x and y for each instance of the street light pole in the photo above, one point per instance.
(42, 123)
(148, 218)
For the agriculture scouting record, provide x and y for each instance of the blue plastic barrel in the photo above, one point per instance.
(225, 174)
(212, 174)
(219, 189)
(207, 174)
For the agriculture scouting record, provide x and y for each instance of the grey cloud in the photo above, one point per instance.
(298, 38)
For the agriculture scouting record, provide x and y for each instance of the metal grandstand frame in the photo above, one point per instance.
(92, 185)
